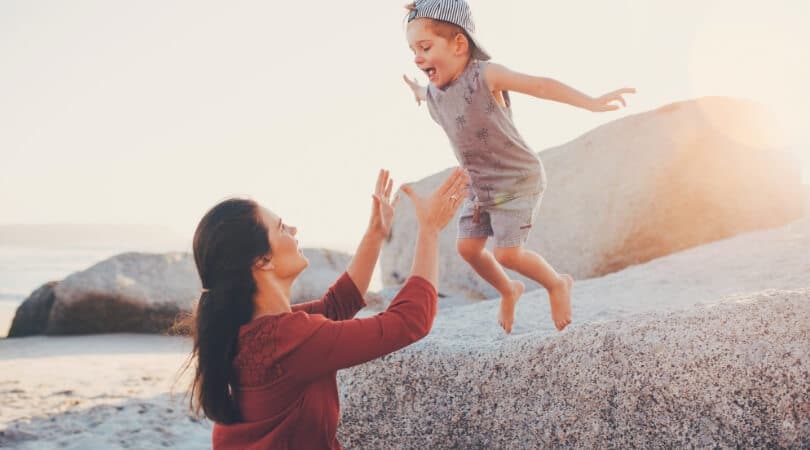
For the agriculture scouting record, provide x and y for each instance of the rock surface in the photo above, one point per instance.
(130, 292)
(631, 369)
(325, 267)
(31, 317)
(144, 293)
(636, 189)
(735, 375)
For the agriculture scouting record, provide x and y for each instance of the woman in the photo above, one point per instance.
(266, 370)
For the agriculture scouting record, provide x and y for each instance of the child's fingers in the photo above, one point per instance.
(407, 190)
(389, 188)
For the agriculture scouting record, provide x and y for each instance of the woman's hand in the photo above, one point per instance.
(605, 102)
(382, 211)
(362, 264)
(435, 211)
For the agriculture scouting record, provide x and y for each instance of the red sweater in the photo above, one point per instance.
(287, 363)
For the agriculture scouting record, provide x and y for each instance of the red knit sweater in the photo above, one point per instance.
(287, 363)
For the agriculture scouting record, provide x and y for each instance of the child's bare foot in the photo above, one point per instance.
(560, 298)
(506, 317)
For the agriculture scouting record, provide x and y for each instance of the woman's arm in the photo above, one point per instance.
(362, 264)
(500, 78)
(337, 345)
(341, 302)
(345, 298)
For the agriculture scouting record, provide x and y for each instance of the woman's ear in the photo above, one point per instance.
(264, 263)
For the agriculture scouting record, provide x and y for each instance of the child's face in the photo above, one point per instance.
(440, 59)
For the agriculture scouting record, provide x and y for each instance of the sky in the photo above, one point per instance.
(150, 112)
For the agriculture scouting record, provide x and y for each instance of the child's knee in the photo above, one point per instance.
(507, 257)
(468, 249)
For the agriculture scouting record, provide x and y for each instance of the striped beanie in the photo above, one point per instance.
(456, 12)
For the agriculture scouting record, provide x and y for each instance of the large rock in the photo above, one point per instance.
(636, 189)
(131, 292)
(325, 267)
(630, 366)
(31, 317)
(145, 292)
(733, 375)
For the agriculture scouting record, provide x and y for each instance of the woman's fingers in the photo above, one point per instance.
(450, 181)
(388, 189)
(462, 181)
(377, 184)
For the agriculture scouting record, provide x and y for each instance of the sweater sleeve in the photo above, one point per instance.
(341, 302)
(338, 345)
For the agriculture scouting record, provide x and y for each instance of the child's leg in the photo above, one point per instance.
(532, 265)
(474, 251)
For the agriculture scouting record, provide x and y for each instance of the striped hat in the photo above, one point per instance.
(456, 12)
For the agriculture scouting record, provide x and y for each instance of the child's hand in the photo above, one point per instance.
(418, 91)
(605, 102)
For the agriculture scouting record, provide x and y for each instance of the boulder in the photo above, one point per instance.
(736, 374)
(31, 317)
(636, 189)
(145, 293)
(130, 292)
(325, 267)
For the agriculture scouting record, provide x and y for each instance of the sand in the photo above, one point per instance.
(102, 391)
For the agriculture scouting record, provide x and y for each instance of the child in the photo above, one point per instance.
(469, 98)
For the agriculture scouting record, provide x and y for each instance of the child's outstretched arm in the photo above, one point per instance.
(419, 92)
(500, 78)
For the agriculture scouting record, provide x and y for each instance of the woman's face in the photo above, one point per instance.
(287, 260)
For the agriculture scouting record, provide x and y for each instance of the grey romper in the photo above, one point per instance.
(507, 178)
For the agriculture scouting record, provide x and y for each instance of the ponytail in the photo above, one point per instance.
(228, 240)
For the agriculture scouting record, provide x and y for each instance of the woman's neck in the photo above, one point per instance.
(272, 298)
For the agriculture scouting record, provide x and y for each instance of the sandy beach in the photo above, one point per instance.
(7, 310)
(96, 392)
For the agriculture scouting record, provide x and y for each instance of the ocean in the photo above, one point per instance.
(23, 269)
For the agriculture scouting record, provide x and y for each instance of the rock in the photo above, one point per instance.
(732, 375)
(31, 317)
(325, 267)
(131, 292)
(636, 189)
(145, 293)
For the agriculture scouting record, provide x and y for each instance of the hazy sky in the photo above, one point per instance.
(152, 111)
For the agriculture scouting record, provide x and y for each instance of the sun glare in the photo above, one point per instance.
(760, 54)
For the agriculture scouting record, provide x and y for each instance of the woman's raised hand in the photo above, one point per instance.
(435, 211)
(382, 212)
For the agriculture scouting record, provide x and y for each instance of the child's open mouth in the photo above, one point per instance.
(431, 72)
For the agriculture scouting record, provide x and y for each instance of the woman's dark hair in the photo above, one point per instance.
(229, 239)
